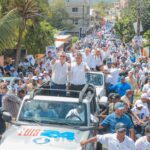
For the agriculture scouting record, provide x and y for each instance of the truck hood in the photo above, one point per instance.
(42, 138)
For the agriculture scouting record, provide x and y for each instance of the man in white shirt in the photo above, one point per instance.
(88, 57)
(59, 74)
(105, 52)
(97, 60)
(144, 99)
(114, 71)
(142, 113)
(114, 141)
(146, 86)
(143, 143)
(76, 114)
(77, 74)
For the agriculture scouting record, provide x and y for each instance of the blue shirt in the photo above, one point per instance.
(111, 120)
(120, 88)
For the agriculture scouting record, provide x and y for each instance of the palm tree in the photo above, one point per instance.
(8, 24)
(20, 12)
(26, 9)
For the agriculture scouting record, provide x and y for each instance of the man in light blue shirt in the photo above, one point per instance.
(118, 116)
(120, 87)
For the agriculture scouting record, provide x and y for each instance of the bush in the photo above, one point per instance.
(74, 39)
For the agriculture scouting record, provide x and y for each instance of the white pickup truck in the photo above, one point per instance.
(47, 122)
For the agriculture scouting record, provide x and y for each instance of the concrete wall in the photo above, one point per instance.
(82, 14)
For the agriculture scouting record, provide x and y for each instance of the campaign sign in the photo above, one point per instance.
(44, 136)
(41, 140)
(52, 49)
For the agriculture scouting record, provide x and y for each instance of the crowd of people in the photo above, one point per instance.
(127, 74)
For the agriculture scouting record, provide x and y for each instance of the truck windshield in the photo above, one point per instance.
(53, 112)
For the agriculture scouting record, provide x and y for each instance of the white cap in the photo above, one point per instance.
(39, 78)
(139, 103)
(35, 78)
(41, 74)
(25, 79)
(12, 68)
(45, 72)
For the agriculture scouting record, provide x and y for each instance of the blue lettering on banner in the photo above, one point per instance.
(56, 134)
(41, 140)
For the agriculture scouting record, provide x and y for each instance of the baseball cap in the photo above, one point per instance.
(147, 130)
(122, 77)
(119, 106)
(111, 96)
(144, 95)
(139, 103)
(40, 78)
(41, 74)
(45, 72)
(116, 96)
(20, 73)
(12, 68)
(120, 127)
(35, 78)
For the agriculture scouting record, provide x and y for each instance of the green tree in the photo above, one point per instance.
(147, 36)
(26, 9)
(143, 6)
(131, 12)
(124, 29)
(101, 7)
(74, 39)
(8, 26)
(39, 36)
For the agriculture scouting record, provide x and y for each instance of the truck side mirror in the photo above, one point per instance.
(94, 120)
(7, 116)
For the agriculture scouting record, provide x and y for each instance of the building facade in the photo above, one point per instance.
(79, 15)
(123, 3)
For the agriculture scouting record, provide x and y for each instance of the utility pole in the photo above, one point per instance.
(83, 20)
(138, 17)
(139, 38)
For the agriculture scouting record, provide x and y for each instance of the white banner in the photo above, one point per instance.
(52, 49)
(31, 59)
(135, 27)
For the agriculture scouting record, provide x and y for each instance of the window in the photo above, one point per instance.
(75, 21)
(74, 9)
(53, 112)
